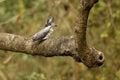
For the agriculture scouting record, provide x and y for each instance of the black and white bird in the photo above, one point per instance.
(44, 33)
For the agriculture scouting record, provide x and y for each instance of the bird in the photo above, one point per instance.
(44, 33)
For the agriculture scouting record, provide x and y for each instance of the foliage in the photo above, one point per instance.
(26, 17)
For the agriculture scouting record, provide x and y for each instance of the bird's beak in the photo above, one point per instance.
(55, 25)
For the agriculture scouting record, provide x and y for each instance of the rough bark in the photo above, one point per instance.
(89, 55)
(75, 47)
(64, 46)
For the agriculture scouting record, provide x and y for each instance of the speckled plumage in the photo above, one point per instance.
(45, 33)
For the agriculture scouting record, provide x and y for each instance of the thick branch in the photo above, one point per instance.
(64, 46)
(81, 24)
(89, 56)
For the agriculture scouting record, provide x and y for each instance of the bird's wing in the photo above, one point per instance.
(40, 35)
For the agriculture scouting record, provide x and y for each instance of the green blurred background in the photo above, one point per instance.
(26, 17)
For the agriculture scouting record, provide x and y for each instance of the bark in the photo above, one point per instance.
(64, 46)
(75, 47)
(89, 55)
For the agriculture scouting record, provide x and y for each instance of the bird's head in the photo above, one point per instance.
(50, 22)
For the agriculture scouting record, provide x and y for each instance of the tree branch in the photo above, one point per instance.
(75, 47)
(64, 46)
(89, 55)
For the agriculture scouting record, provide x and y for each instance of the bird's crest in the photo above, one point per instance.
(50, 22)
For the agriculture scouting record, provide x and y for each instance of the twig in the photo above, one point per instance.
(2, 75)
(2, 1)
(9, 20)
(8, 59)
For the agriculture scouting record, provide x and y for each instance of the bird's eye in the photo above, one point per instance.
(49, 24)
